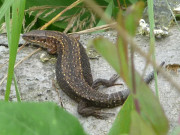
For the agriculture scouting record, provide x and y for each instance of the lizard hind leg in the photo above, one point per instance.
(86, 111)
(105, 82)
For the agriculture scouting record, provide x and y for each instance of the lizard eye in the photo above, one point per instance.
(33, 38)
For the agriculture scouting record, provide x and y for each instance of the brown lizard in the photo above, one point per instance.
(73, 73)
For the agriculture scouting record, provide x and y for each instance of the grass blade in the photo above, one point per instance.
(16, 88)
(152, 40)
(17, 18)
(6, 5)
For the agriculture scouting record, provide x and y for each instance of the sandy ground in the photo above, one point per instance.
(36, 79)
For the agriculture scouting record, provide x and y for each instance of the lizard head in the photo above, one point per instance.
(42, 39)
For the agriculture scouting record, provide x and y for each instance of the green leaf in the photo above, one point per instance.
(48, 10)
(151, 109)
(139, 126)
(176, 130)
(149, 105)
(122, 123)
(108, 11)
(129, 21)
(132, 17)
(37, 119)
(102, 45)
(31, 3)
(133, 1)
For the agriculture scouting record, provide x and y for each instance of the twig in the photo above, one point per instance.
(60, 100)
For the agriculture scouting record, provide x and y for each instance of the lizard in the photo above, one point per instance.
(73, 73)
